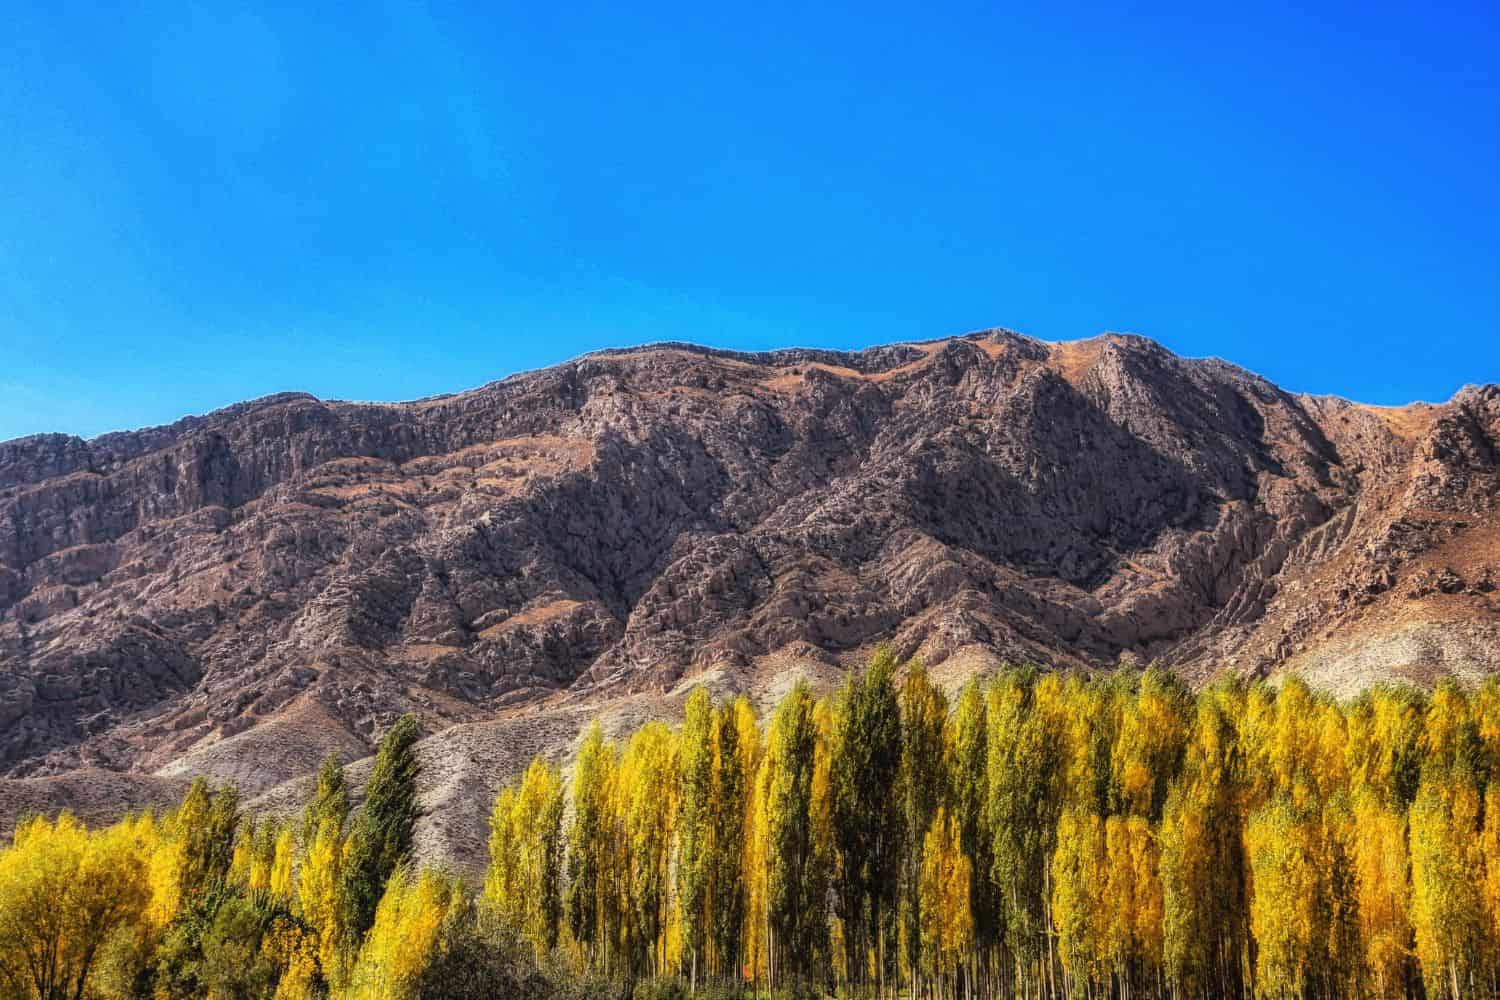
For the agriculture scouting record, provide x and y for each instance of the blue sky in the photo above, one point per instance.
(202, 203)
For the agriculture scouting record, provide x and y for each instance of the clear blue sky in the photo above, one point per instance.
(205, 202)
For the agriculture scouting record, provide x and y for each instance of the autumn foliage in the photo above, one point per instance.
(1036, 835)
(1042, 835)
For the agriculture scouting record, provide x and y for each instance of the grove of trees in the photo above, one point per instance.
(1041, 835)
(201, 902)
(1046, 835)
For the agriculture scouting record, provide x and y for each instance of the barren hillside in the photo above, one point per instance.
(240, 593)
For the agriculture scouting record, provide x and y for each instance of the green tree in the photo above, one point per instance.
(790, 762)
(382, 835)
(590, 846)
(234, 964)
(728, 813)
(204, 824)
(330, 801)
(867, 817)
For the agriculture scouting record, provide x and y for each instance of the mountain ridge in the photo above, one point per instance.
(767, 356)
(595, 535)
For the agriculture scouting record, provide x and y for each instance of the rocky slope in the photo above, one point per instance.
(241, 592)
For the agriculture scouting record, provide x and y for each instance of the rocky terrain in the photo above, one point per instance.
(240, 593)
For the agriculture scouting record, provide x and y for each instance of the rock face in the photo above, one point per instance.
(631, 518)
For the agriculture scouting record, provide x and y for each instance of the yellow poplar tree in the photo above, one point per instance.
(947, 918)
(524, 881)
(758, 875)
(695, 844)
(728, 817)
(282, 860)
(590, 902)
(403, 938)
(320, 896)
(1078, 885)
(1489, 850)
(1204, 884)
(1153, 731)
(648, 801)
(1383, 876)
(1447, 872)
(1147, 898)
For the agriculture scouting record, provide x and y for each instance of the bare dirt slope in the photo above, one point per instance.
(239, 593)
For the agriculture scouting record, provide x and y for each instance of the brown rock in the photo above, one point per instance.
(630, 518)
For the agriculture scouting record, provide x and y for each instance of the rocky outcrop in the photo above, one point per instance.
(619, 522)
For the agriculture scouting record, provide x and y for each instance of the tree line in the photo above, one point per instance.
(1046, 836)
(1042, 835)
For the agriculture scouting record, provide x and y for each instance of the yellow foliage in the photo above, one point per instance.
(296, 954)
(320, 897)
(1382, 872)
(403, 938)
(63, 892)
(1447, 872)
(947, 919)
(1078, 878)
(1285, 916)
(523, 883)
(280, 881)
(1059, 837)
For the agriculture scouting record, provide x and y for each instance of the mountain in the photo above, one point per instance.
(238, 594)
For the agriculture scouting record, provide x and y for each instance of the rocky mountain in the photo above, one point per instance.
(241, 592)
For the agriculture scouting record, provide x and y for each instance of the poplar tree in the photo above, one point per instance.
(524, 880)
(322, 888)
(728, 810)
(1279, 844)
(1288, 909)
(924, 789)
(204, 825)
(695, 839)
(943, 880)
(1385, 744)
(1022, 809)
(1448, 908)
(790, 761)
(1149, 743)
(403, 939)
(590, 908)
(818, 880)
(758, 931)
(648, 798)
(968, 760)
(1079, 878)
(330, 800)
(1205, 886)
(867, 816)
(382, 835)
